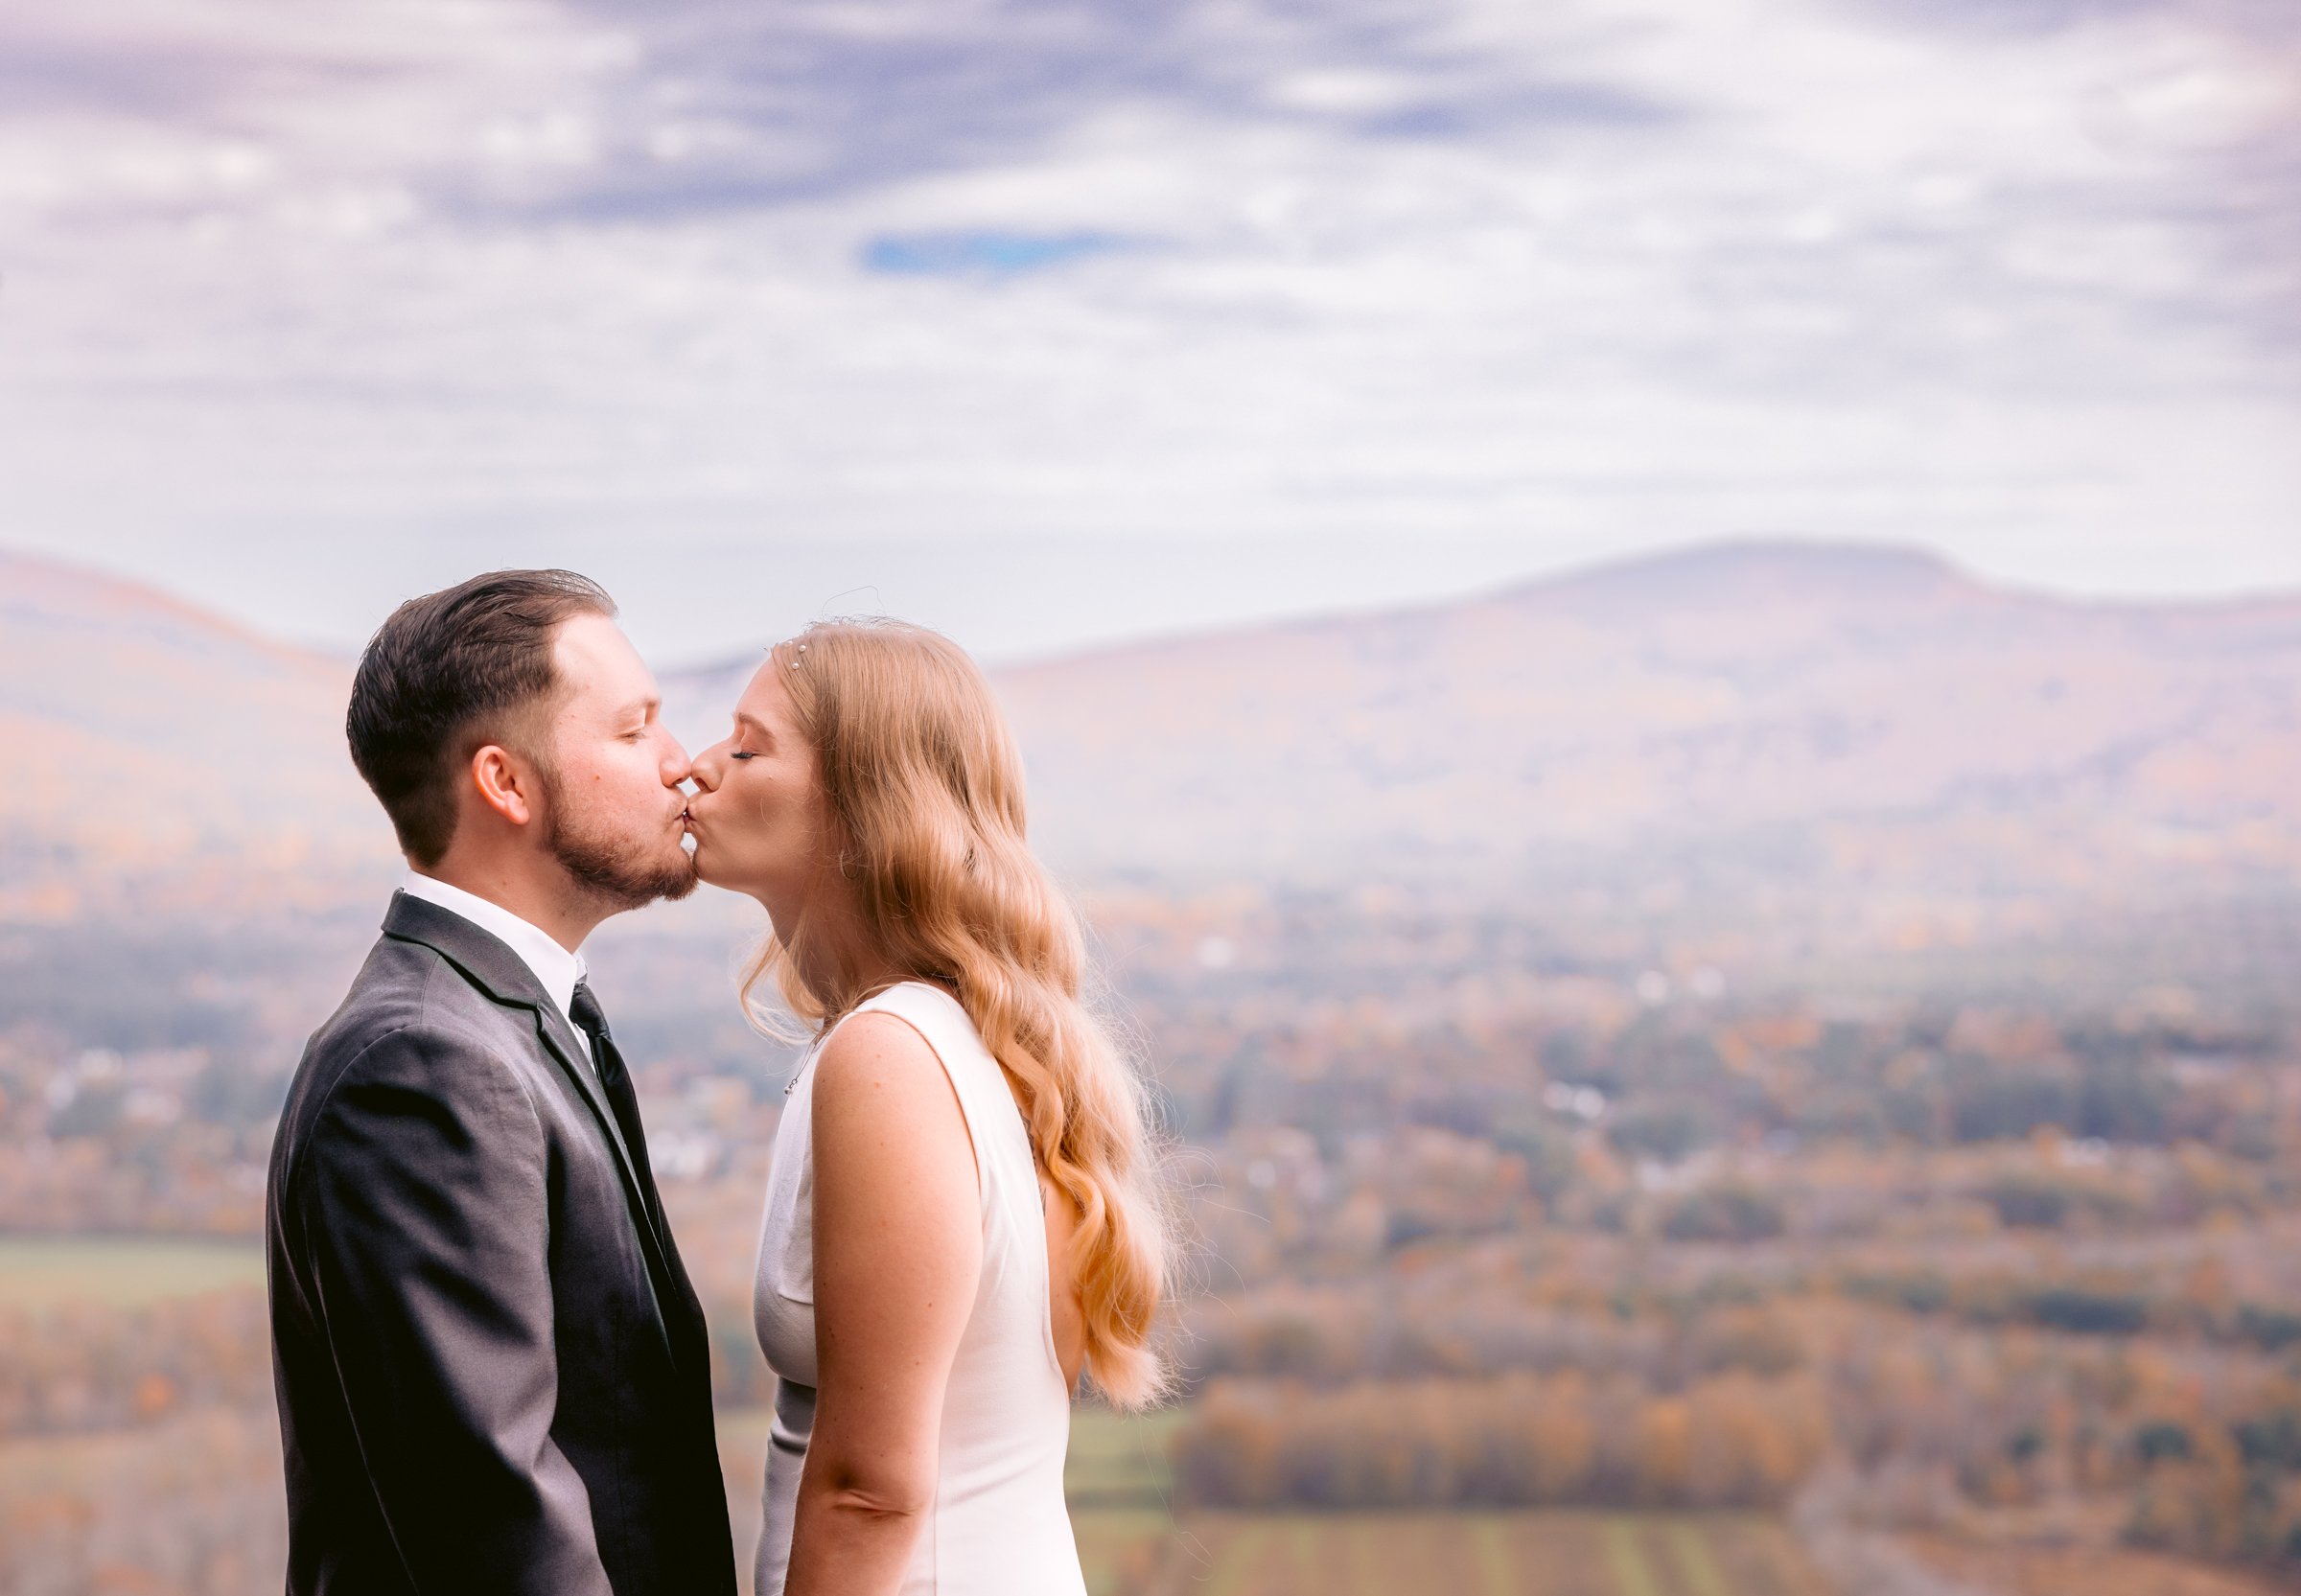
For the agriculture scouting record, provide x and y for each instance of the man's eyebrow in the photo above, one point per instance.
(641, 707)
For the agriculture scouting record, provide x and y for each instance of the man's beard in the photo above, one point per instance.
(612, 869)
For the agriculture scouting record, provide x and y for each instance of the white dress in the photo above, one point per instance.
(999, 1524)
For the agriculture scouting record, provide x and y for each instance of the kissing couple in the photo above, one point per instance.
(492, 1373)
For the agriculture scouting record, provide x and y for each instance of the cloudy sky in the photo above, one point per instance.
(1056, 320)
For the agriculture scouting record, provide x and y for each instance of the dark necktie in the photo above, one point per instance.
(688, 1336)
(616, 1081)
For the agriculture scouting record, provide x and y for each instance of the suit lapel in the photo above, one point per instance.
(558, 1038)
(663, 1261)
(558, 1033)
(504, 977)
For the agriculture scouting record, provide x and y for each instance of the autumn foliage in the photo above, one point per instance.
(1519, 1440)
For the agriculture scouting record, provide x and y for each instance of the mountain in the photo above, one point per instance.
(1767, 706)
(158, 755)
(1855, 717)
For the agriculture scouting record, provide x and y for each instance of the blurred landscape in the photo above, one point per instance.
(1768, 1068)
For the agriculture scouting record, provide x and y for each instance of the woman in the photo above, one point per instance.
(959, 1220)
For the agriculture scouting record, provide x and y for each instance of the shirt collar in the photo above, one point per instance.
(556, 968)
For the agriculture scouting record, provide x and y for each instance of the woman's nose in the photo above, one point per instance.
(704, 769)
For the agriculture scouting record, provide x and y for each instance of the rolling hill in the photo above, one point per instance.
(158, 757)
(1867, 715)
(1756, 707)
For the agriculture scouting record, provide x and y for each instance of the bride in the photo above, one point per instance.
(961, 1218)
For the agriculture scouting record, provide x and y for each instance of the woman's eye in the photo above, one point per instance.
(739, 753)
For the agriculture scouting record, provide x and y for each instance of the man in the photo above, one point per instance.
(492, 1373)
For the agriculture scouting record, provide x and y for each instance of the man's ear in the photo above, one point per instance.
(505, 782)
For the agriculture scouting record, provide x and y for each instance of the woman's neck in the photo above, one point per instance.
(843, 967)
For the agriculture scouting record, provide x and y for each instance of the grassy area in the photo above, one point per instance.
(1473, 1554)
(1118, 1461)
(43, 1271)
(1118, 1484)
(1130, 1541)
(2084, 1571)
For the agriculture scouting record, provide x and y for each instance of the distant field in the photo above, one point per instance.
(1119, 1490)
(1119, 1463)
(1129, 1541)
(1118, 1485)
(2084, 1571)
(1478, 1554)
(43, 1271)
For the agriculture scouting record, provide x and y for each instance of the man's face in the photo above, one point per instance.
(611, 788)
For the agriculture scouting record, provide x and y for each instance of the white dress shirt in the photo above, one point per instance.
(555, 966)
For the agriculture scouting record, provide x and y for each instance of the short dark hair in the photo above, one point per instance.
(447, 674)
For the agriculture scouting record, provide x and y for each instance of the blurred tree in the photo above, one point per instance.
(1727, 1211)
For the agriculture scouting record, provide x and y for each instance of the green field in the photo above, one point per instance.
(1131, 1543)
(1473, 1554)
(1117, 1461)
(45, 1271)
(1117, 1484)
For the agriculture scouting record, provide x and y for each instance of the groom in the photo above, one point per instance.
(492, 1373)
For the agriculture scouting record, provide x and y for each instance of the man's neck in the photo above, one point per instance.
(553, 909)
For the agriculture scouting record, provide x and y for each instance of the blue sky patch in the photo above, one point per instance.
(979, 254)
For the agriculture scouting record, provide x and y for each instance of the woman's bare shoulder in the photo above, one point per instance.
(864, 1046)
(879, 1081)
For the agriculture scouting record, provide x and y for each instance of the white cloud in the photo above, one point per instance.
(485, 282)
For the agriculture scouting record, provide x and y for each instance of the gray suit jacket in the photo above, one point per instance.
(492, 1373)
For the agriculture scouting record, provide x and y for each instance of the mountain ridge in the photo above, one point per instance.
(1735, 566)
(1872, 703)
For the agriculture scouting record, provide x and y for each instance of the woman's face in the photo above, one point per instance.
(759, 817)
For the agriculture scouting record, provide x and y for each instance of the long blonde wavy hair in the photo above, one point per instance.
(926, 788)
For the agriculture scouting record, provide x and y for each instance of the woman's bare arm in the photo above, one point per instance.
(898, 1248)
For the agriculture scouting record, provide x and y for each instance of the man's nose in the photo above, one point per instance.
(677, 766)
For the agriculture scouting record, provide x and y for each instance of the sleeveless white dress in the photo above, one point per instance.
(999, 1524)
